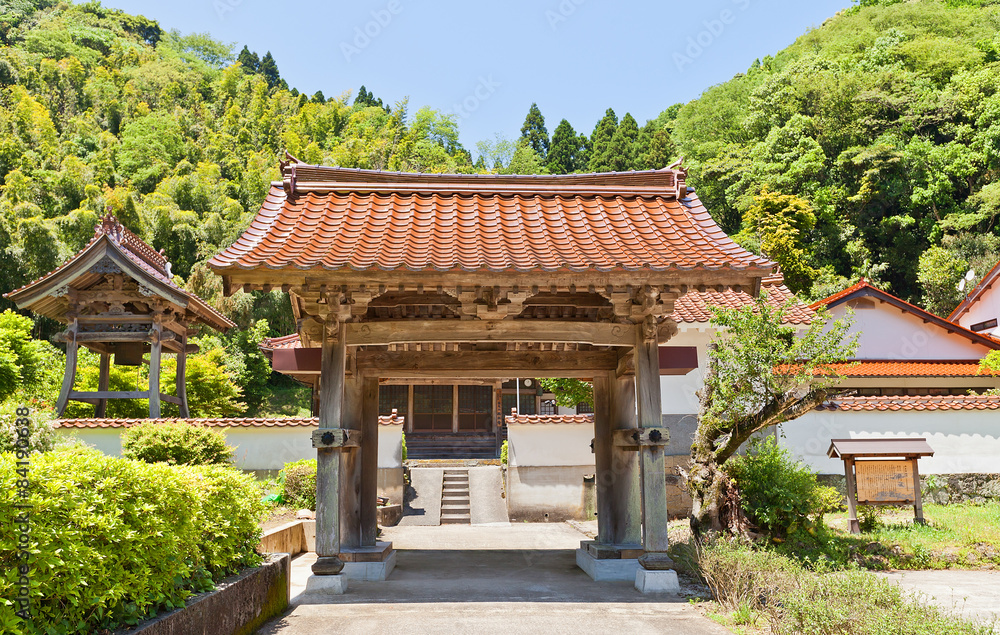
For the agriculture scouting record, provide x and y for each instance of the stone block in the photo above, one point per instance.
(309, 535)
(657, 581)
(318, 586)
(606, 570)
(371, 571)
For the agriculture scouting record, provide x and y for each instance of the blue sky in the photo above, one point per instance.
(487, 61)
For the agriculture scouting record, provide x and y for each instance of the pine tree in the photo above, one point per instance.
(269, 69)
(622, 154)
(583, 154)
(564, 152)
(363, 98)
(535, 133)
(600, 142)
(248, 60)
(656, 147)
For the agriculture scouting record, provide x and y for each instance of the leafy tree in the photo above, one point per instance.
(761, 373)
(525, 161)
(20, 356)
(210, 390)
(778, 226)
(600, 143)
(269, 69)
(248, 60)
(534, 132)
(565, 153)
(939, 274)
(569, 392)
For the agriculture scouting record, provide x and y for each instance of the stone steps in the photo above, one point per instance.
(455, 497)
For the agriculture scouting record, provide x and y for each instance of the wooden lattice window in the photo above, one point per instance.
(433, 407)
(475, 408)
(393, 398)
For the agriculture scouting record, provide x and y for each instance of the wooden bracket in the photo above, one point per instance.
(635, 438)
(336, 438)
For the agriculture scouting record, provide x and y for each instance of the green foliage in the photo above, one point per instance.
(299, 483)
(939, 273)
(566, 153)
(210, 390)
(115, 540)
(779, 494)
(41, 433)
(569, 392)
(176, 444)
(780, 225)
(601, 140)
(403, 442)
(504, 452)
(991, 363)
(535, 134)
(21, 357)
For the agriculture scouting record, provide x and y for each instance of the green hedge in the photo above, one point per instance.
(299, 484)
(177, 444)
(115, 540)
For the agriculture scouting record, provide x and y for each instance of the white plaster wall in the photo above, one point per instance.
(390, 446)
(986, 308)
(888, 333)
(542, 445)
(258, 448)
(964, 441)
(678, 392)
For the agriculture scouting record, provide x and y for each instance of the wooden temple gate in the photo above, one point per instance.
(417, 277)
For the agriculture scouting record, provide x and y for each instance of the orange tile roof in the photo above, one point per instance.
(284, 342)
(358, 220)
(216, 422)
(550, 419)
(895, 404)
(693, 306)
(889, 368)
(865, 288)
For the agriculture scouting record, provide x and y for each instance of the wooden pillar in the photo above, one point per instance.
(454, 409)
(350, 469)
(103, 383)
(603, 444)
(181, 380)
(69, 378)
(369, 462)
(651, 460)
(918, 503)
(331, 402)
(155, 354)
(409, 408)
(852, 496)
(626, 488)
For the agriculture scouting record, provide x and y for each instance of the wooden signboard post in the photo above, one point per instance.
(886, 473)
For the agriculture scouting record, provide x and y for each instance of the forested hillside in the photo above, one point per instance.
(871, 146)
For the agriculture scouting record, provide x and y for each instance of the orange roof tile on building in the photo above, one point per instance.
(693, 306)
(359, 220)
(213, 422)
(892, 368)
(572, 419)
(911, 403)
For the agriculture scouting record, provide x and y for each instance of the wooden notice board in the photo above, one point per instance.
(885, 482)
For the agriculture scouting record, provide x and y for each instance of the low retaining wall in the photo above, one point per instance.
(292, 538)
(944, 489)
(239, 606)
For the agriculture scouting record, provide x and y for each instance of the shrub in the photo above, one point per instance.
(176, 444)
(503, 453)
(403, 442)
(860, 603)
(299, 480)
(41, 436)
(114, 540)
(740, 576)
(780, 495)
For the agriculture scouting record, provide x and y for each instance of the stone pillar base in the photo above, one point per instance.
(319, 586)
(372, 564)
(647, 581)
(610, 569)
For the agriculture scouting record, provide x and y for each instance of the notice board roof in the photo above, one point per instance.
(908, 447)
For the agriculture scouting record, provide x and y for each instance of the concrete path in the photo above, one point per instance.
(485, 488)
(425, 507)
(514, 579)
(972, 594)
